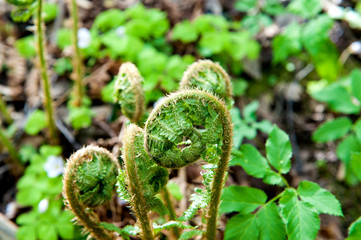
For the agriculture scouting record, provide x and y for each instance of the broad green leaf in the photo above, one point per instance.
(322, 200)
(356, 83)
(242, 227)
(305, 8)
(47, 232)
(26, 46)
(273, 178)
(357, 130)
(245, 5)
(50, 10)
(174, 190)
(302, 221)
(35, 122)
(288, 43)
(356, 164)
(346, 147)
(354, 231)
(332, 130)
(270, 224)
(184, 31)
(279, 150)
(337, 97)
(249, 112)
(26, 233)
(109, 19)
(251, 161)
(241, 199)
(63, 38)
(80, 117)
(213, 42)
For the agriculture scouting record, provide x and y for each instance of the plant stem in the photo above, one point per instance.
(284, 180)
(5, 141)
(172, 215)
(5, 112)
(39, 34)
(77, 60)
(138, 203)
(220, 172)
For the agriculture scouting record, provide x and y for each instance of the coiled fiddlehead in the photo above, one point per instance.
(89, 181)
(143, 177)
(128, 92)
(208, 76)
(185, 126)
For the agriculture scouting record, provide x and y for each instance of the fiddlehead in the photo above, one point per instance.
(186, 126)
(89, 181)
(208, 76)
(128, 92)
(143, 178)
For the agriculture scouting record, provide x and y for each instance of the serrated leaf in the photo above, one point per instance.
(321, 199)
(332, 130)
(251, 161)
(356, 83)
(302, 221)
(249, 112)
(354, 231)
(346, 147)
(241, 199)
(270, 223)
(305, 8)
(279, 150)
(242, 227)
(356, 164)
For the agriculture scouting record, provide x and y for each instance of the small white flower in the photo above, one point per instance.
(120, 31)
(43, 205)
(335, 12)
(355, 47)
(54, 166)
(84, 38)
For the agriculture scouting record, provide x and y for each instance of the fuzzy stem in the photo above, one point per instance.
(139, 204)
(39, 34)
(77, 60)
(172, 215)
(5, 112)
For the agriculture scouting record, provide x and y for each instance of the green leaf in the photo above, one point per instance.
(273, 7)
(80, 117)
(63, 65)
(346, 147)
(47, 232)
(26, 233)
(26, 46)
(270, 224)
(249, 112)
(174, 190)
(251, 161)
(357, 130)
(356, 83)
(65, 230)
(184, 31)
(63, 38)
(36, 122)
(50, 10)
(239, 87)
(273, 178)
(242, 227)
(190, 234)
(305, 8)
(354, 231)
(288, 43)
(245, 5)
(356, 164)
(241, 199)
(302, 222)
(332, 130)
(109, 19)
(337, 97)
(279, 150)
(212, 42)
(322, 200)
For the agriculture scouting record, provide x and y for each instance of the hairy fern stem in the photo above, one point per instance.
(39, 35)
